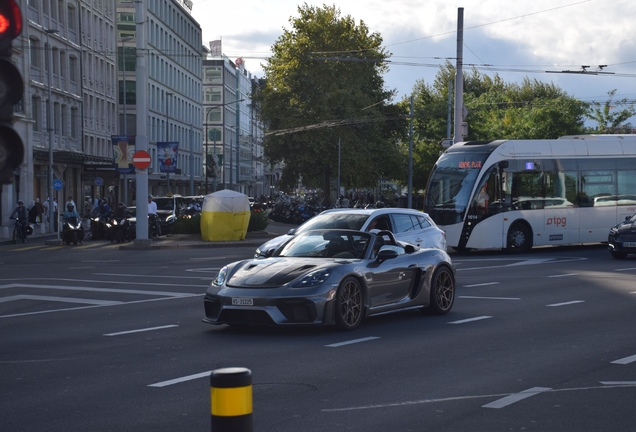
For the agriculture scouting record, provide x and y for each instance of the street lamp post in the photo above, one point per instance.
(50, 128)
(167, 129)
(125, 93)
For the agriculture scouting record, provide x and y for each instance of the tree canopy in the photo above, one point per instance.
(324, 83)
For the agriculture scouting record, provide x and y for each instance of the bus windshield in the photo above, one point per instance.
(450, 186)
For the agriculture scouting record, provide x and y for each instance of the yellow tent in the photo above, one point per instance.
(225, 215)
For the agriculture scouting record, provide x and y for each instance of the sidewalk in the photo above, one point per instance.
(174, 241)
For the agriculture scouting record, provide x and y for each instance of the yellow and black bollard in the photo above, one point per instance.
(231, 400)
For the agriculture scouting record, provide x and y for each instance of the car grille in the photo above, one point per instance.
(299, 311)
(245, 317)
(212, 308)
(625, 237)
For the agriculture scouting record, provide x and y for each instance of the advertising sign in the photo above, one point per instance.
(123, 150)
(167, 153)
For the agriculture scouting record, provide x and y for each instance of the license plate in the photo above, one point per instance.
(629, 244)
(243, 302)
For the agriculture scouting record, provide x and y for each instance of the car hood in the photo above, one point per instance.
(274, 243)
(273, 272)
(626, 227)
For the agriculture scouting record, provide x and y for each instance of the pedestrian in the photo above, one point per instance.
(33, 214)
(40, 210)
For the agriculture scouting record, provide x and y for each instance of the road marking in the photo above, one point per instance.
(339, 344)
(205, 270)
(626, 360)
(470, 320)
(88, 245)
(516, 397)
(490, 298)
(566, 303)
(28, 248)
(180, 380)
(626, 269)
(105, 281)
(149, 276)
(78, 268)
(627, 383)
(104, 290)
(141, 330)
(563, 275)
(481, 284)
(524, 262)
(53, 248)
(58, 299)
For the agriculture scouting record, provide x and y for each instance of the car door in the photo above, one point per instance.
(407, 228)
(389, 281)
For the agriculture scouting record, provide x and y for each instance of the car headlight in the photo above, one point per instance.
(170, 219)
(257, 254)
(314, 278)
(220, 278)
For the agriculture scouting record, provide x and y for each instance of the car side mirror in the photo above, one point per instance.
(270, 252)
(386, 254)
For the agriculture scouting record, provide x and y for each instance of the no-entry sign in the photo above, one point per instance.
(141, 159)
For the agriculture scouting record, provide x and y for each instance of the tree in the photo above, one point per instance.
(324, 83)
(609, 119)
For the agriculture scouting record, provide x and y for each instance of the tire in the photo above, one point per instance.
(75, 238)
(16, 235)
(119, 236)
(349, 305)
(519, 239)
(618, 255)
(442, 292)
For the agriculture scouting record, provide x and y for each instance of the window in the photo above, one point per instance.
(424, 223)
(214, 115)
(74, 122)
(212, 74)
(213, 94)
(34, 53)
(404, 223)
(71, 18)
(72, 69)
(36, 113)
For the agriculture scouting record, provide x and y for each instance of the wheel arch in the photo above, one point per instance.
(526, 224)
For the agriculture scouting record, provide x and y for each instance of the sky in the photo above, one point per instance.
(514, 39)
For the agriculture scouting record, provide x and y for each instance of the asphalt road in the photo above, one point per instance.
(100, 339)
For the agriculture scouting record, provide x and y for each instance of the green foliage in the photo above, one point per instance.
(258, 221)
(608, 117)
(187, 225)
(324, 83)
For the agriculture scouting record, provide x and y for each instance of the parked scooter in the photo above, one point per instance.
(72, 230)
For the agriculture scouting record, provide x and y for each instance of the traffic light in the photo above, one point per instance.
(11, 90)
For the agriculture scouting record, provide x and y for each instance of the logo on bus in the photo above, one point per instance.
(558, 221)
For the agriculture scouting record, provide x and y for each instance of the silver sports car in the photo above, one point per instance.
(332, 277)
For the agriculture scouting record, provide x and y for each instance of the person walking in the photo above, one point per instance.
(40, 210)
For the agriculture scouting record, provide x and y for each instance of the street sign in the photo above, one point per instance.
(446, 142)
(99, 181)
(141, 159)
(58, 184)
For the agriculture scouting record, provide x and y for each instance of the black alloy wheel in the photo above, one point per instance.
(349, 307)
(442, 292)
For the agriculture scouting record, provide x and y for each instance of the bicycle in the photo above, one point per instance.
(18, 231)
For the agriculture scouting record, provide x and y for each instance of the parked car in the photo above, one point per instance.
(332, 276)
(407, 225)
(622, 238)
(168, 210)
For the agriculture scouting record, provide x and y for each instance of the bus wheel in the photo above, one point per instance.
(519, 239)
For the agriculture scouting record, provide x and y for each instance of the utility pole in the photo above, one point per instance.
(459, 78)
(410, 191)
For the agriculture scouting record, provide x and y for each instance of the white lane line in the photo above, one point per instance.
(470, 320)
(516, 397)
(490, 298)
(339, 344)
(626, 269)
(152, 276)
(627, 383)
(563, 275)
(566, 303)
(102, 281)
(94, 306)
(626, 360)
(481, 284)
(141, 330)
(180, 380)
(103, 290)
(77, 268)
(59, 299)
(99, 261)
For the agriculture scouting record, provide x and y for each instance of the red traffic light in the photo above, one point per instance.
(10, 20)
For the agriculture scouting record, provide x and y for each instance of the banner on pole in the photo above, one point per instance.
(167, 153)
(123, 150)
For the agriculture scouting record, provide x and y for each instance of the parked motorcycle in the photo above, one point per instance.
(72, 230)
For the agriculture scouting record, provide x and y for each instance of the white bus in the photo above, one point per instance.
(515, 194)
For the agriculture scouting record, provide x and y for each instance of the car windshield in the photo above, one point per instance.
(164, 203)
(334, 220)
(327, 244)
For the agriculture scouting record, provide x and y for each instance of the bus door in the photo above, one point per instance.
(485, 213)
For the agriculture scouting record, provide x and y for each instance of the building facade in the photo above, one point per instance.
(174, 92)
(233, 138)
